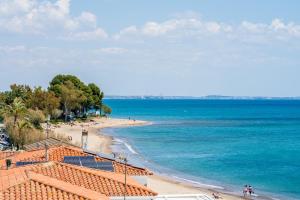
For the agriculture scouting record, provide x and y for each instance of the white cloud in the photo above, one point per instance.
(87, 35)
(128, 31)
(185, 27)
(277, 28)
(88, 19)
(52, 19)
(64, 6)
(253, 27)
(213, 27)
(291, 28)
(277, 24)
(12, 7)
(112, 50)
(10, 49)
(198, 28)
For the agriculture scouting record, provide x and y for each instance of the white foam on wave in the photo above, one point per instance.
(128, 146)
(198, 183)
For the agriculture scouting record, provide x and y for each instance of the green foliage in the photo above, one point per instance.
(45, 101)
(23, 109)
(107, 110)
(56, 114)
(21, 123)
(22, 132)
(16, 110)
(36, 117)
(65, 93)
(96, 95)
(23, 92)
(71, 98)
(75, 96)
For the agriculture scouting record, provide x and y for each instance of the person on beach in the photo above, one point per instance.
(216, 196)
(245, 190)
(250, 190)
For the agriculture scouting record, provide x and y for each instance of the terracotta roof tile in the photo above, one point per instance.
(102, 182)
(108, 183)
(58, 153)
(13, 176)
(5, 154)
(37, 186)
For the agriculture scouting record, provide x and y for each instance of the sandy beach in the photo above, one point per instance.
(98, 141)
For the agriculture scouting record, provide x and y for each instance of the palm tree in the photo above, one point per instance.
(21, 127)
(15, 110)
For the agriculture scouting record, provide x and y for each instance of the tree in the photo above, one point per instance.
(16, 109)
(44, 100)
(107, 110)
(62, 79)
(70, 97)
(97, 96)
(23, 132)
(23, 92)
(20, 123)
(2, 105)
(36, 117)
(2, 97)
(21, 129)
(56, 113)
(91, 95)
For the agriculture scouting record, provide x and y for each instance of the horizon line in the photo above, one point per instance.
(198, 97)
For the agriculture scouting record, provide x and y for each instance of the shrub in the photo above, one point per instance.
(36, 117)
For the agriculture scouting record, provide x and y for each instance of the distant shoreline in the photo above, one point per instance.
(210, 97)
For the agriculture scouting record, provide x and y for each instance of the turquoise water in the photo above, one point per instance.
(224, 142)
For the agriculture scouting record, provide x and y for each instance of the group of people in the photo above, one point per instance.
(248, 190)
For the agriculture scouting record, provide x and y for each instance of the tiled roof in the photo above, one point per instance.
(101, 182)
(108, 183)
(13, 176)
(51, 142)
(37, 186)
(58, 153)
(5, 154)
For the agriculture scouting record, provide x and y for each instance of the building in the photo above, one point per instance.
(31, 176)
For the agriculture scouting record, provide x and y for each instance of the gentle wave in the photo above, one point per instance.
(138, 159)
(128, 146)
(198, 183)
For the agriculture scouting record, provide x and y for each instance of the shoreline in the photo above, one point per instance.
(99, 141)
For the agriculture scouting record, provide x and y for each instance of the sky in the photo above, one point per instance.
(142, 47)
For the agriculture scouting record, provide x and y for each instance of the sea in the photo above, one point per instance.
(223, 144)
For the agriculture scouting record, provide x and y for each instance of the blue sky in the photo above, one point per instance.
(169, 47)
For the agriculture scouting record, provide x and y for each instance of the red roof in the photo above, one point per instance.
(65, 178)
(37, 186)
(58, 153)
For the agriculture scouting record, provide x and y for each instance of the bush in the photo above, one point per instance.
(56, 114)
(22, 133)
(36, 117)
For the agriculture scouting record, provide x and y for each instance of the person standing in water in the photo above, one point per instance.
(245, 190)
(250, 190)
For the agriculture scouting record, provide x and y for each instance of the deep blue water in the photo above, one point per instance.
(229, 142)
